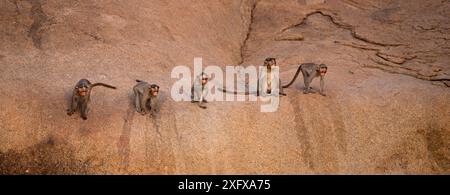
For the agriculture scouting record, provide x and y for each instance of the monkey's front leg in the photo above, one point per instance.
(73, 105)
(307, 89)
(84, 110)
(193, 94)
(154, 108)
(143, 102)
(202, 101)
(322, 83)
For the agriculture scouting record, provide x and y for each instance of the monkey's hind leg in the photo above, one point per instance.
(307, 88)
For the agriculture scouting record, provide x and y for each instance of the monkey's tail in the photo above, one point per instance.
(104, 85)
(295, 77)
(236, 92)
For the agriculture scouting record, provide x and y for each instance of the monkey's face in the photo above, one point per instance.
(204, 80)
(154, 90)
(270, 63)
(82, 91)
(323, 71)
(273, 63)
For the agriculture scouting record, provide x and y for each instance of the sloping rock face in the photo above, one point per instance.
(387, 109)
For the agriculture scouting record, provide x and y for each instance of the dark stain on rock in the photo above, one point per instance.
(396, 163)
(46, 157)
(438, 144)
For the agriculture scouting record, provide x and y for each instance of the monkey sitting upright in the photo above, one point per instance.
(199, 91)
(268, 86)
(81, 97)
(310, 71)
(146, 94)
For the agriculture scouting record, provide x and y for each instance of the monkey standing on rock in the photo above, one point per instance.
(310, 71)
(146, 94)
(81, 97)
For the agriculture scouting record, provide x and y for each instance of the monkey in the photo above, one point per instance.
(310, 71)
(199, 90)
(81, 96)
(146, 96)
(269, 63)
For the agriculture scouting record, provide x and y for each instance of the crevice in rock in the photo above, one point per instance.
(394, 59)
(342, 25)
(357, 46)
(393, 63)
(383, 61)
(39, 19)
(249, 30)
(396, 69)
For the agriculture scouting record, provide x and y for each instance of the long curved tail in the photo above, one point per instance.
(104, 85)
(295, 77)
(238, 93)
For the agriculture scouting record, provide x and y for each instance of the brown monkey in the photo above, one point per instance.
(81, 97)
(146, 96)
(199, 91)
(310, 71)
(270, 63)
